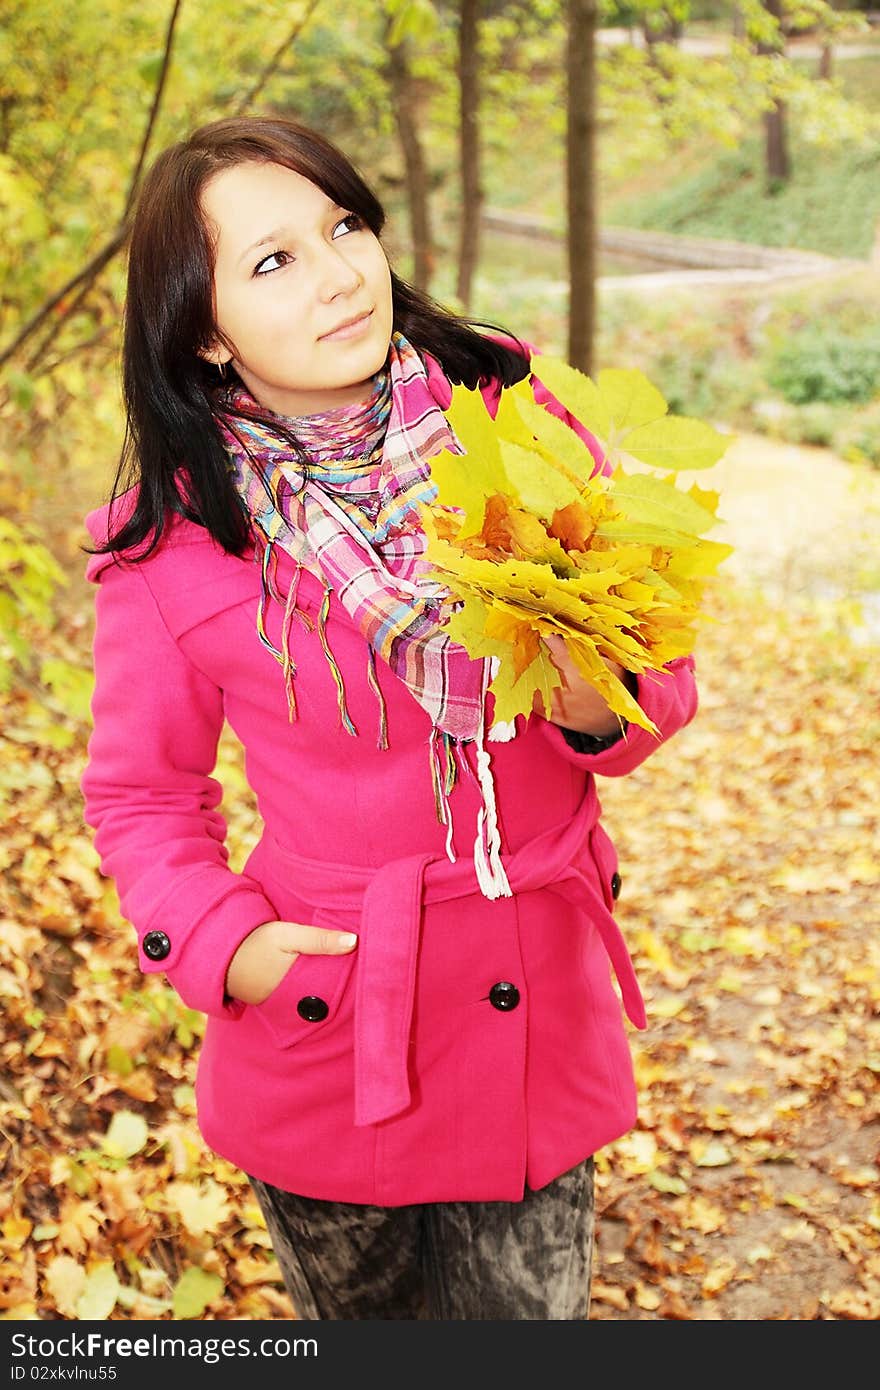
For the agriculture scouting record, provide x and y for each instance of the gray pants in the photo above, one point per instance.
(441, 1260)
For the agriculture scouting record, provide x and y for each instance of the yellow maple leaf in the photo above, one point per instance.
(529, 539)
(201, 1209)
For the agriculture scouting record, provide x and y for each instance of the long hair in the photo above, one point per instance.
(169, 389)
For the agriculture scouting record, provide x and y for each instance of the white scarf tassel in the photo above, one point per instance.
(491, 876)
(490, 870)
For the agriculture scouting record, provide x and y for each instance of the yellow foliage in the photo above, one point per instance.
(530, 543)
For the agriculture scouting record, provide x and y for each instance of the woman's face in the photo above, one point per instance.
(290, 268)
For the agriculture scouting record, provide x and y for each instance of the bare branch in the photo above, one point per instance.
(92, 269)
(101, 336)
(55, 328)
(86, 275)
(154, 110)
(274, 62)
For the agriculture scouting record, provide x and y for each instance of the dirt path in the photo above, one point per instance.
(711, 44)
(805, 525)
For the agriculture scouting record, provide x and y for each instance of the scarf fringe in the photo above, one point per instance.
(347, 721)
(440, 779)
(373, 681)
(491, 875)
(287, 664)
(268, 589)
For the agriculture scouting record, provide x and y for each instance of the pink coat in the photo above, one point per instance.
(465, 1048)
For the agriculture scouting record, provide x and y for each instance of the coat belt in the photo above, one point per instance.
(389, 901)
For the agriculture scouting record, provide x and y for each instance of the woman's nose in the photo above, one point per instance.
(336, 273)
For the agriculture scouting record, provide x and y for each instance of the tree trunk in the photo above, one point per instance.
(405, 101)
(469, 144)
(826, 61)
(778, 164)
(660, 27)
(581, 181)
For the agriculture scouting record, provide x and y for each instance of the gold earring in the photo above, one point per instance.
(221, 367)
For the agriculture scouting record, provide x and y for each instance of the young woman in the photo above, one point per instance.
(413, 1045)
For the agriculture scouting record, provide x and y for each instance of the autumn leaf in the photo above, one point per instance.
(711, 1155)
(201, 1209)
(627, 413)
(528, 543)
(194, 1290)
(665, 1182)
(126, 1135)
(65, 1279)
(79, 1225)
(609, 1293)
(99, 1293)
(718, 1277)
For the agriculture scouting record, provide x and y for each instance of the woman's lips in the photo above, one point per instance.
(351, 330)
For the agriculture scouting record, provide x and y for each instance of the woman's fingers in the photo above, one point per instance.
(268, 952)
(576, 704)
(313, 941)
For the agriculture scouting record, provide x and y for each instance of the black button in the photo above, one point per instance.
(616, 882)
(504, 995)
(156, 945)
(313, 1009)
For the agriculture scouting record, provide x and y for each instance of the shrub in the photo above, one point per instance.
(859, 441)
(814, 423)
(822, 364)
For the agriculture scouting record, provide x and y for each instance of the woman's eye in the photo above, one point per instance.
(352, 217)
(265, 266)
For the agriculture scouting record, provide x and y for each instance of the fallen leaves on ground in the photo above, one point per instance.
(749, 1187)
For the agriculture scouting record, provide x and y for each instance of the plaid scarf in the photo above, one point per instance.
(351, 519)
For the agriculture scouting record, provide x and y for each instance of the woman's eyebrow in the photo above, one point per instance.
(279, 233)
(264, 241)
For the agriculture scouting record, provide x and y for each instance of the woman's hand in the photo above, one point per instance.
(265, 956)
(577, 704)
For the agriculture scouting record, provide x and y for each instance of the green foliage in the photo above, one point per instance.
(29, 576)
(701, 376)
(815, 423)
(859, 440)
(831, 203)
(710, 359)
(415, 19)
(71, 685)
(165, 1009)
(821, 364)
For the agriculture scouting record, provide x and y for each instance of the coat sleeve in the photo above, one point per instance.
(150, 799)
(668, 697)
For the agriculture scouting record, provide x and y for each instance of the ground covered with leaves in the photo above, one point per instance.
(748, 849)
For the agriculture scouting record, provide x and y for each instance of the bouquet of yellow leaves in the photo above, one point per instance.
(528, 543)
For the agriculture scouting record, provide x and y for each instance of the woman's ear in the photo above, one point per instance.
(216, 353)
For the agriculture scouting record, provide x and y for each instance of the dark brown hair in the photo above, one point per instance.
(169, 390)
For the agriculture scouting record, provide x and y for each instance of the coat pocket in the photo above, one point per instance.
(309, 999)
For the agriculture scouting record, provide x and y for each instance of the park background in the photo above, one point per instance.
(690, 188)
